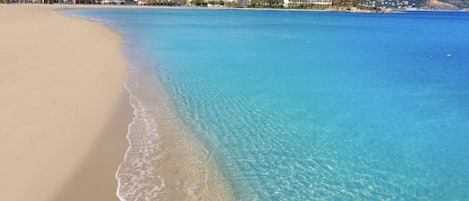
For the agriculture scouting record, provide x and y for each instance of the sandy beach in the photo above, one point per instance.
(64, 108)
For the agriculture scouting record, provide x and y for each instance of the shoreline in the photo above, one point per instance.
(64, 109)
(165, 160)
(73, 152)
(167, 151)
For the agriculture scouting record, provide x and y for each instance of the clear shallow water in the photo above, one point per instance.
(317, 106)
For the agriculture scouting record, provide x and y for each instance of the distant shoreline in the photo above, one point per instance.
(329, 9)
(99, 6)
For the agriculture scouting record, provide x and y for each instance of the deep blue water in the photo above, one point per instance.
(317, 105)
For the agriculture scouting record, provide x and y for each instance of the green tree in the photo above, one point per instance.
(199, 2)
(231, 4)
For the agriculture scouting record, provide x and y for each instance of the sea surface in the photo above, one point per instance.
(315, 105)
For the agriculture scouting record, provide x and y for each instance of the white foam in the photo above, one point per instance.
(137, 179)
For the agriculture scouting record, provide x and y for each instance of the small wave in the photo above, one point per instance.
(163, 160)
(137, 176)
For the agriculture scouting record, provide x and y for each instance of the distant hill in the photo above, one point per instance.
(458, 3)
(444, 4)
(401, 4)
(441, 4)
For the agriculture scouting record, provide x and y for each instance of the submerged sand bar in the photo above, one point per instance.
(64, 112)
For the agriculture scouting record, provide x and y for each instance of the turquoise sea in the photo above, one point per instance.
(315, 105)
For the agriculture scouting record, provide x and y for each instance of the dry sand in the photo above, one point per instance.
(64, 112)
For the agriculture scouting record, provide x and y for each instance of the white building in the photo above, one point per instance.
(286, 3)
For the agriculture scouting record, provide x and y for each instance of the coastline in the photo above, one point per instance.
(64, 109)
(165, 160)
(69, 74)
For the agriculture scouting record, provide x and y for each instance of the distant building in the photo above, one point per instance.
(39, 1)
(307, 2)
(396, 4)
(243, 3)
(162, 2)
